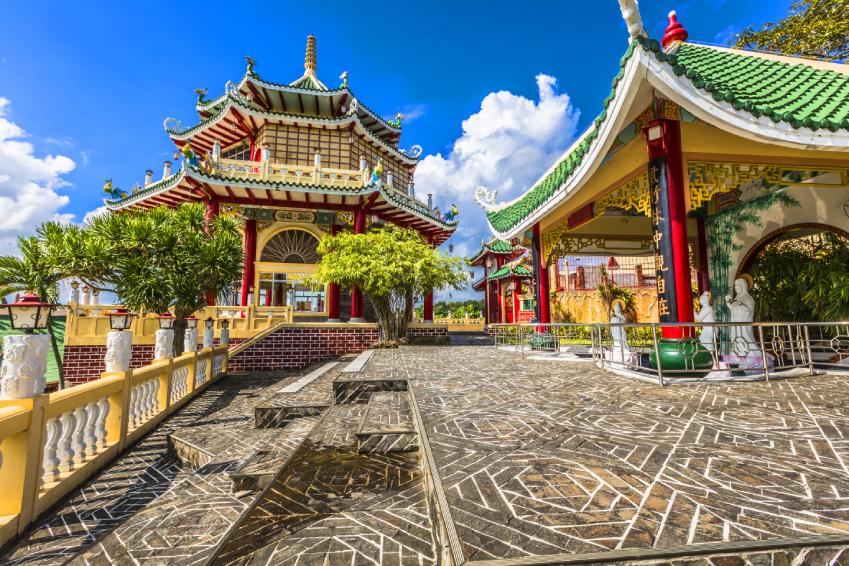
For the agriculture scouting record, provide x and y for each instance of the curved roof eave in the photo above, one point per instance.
(681, 91)
(231, 101)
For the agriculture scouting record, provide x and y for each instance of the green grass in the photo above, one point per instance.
(58, 328)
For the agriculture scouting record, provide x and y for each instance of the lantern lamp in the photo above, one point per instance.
(120, 318)
(75, 284)
(166, 321)
(191, 321)
(225, 323)
(29, 313)
(208, 323)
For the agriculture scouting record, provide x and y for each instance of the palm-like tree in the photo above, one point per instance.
(33, 271)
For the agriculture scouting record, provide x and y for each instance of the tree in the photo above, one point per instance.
(153, 260)
(393, 267)
(814, 28)
(33, 271)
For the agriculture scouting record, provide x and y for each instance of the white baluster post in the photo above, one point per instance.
(24, 365)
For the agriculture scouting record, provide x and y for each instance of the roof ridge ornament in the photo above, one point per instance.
(631, 14)
(675, 33)
(486, 198)
(310, 59)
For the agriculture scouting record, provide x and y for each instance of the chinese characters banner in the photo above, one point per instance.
(667, 303)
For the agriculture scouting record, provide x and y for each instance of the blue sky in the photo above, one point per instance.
(496, 89)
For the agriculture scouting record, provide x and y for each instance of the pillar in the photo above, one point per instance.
(208, 337)
(703, 275)
(211, 214)
(356, 294)
(250, 257)
(669, 220)
(119, 348)
(428, 298)
(542, 309)
(517, 288)
(163, 348)
(24, 365)
(190, 340)
(333, 292)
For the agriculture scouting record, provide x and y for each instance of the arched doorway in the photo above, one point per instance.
(788, 263)
(286, 260)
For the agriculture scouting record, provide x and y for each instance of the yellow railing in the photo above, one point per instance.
(88, 325)
(52, 443)
(288, 173)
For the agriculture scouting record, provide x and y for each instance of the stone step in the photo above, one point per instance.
(309, 396)
(387, 425)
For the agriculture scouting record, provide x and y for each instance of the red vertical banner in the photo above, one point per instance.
(669, 223)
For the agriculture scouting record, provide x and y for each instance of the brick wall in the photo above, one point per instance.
(86, 363)
(297, 348)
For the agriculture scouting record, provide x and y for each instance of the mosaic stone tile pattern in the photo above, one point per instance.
(542, 458)
(148, 507)
(387, 425)
(331, 503)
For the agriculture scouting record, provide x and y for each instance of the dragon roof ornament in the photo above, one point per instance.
(631, 14)
(486, 198)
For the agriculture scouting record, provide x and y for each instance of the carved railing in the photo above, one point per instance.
(288, 173)
(89, 324)
(52, 443)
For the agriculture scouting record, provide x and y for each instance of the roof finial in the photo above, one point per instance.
(631, 14)
(675, 32)
(309, 60)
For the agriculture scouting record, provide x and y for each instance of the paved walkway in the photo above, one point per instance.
(543, 458)
(535, 458)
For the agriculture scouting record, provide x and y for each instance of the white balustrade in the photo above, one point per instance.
(179, 383)
(51, 461)
(200, 372)
(217, 365)
(144, 402)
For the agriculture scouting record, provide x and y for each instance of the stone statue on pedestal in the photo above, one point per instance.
(621, 351)
(742, 308)
(706, 315)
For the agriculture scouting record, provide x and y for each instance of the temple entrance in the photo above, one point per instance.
(798, 273)
(290, 257)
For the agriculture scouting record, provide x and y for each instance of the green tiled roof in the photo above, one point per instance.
(58, 329)
(795, 93)
(509, 271)
(496, 247)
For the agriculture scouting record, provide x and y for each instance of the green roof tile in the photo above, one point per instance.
(795, 93)
(509, 271)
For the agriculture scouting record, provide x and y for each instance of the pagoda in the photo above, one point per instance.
(506, 282)
(297, 161)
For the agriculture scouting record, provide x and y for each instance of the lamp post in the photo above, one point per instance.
(225, 332)
(209, 333)
(119, 342)
(164, 347)
(190, 338)
(25, 355)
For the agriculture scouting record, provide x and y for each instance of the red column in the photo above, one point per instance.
(250, 258)
(211, 214)
(428, 298)
(666, 180)
(541, 275)
(356, 294)
(333, 291)
(485, 296)
(517, 287)
(703, 275)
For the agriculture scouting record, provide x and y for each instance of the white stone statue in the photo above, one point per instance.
(190, 340)
(742, 308)
(119, 350)
(164, 345)
(24, 365)
(621, 351)
(706, 315)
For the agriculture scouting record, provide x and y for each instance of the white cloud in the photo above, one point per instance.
(28, 184)
(505, 146)
(91, 214)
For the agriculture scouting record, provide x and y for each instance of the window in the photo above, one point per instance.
(287, 289)
(291, 246)
(240, 151)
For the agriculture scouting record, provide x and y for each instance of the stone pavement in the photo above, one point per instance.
(536, 459)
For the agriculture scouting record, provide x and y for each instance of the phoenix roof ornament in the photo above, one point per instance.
(631, 14)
